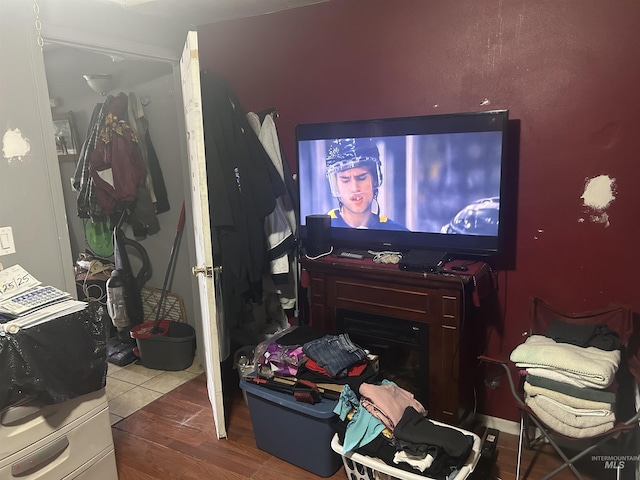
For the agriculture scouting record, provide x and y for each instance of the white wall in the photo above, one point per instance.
(31, 186)
(32, 202)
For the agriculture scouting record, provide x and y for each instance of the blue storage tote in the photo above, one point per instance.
(296, 432)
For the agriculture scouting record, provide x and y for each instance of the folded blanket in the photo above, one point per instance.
(576, 417)
(564, 377)
(575, 402)
(594, 394)
(590, 363)
(564, 428)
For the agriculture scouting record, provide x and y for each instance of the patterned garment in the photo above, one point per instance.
(82, 182)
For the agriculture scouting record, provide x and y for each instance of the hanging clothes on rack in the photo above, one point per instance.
(112, 174)
(86, 200)
(155, 180)
(152, 196)
(281, 225)
(243, 185)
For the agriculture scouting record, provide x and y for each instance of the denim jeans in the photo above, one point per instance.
(334, 353)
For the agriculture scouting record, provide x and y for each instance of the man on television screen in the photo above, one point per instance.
(354, 174)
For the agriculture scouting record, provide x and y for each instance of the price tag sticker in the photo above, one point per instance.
(15, 280)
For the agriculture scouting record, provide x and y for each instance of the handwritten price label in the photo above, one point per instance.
(14, 280)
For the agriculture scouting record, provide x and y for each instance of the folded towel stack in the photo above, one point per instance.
(566, 385)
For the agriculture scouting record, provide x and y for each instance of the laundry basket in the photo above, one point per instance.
(362, 467)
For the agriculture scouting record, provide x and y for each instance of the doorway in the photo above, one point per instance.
(163, 96)
(153, 82)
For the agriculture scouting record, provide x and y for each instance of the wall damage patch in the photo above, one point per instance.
(598, 194)
(14, 145)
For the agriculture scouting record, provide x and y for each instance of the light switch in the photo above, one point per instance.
(6, 241)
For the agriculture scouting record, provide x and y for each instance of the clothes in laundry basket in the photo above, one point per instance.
(397, 431)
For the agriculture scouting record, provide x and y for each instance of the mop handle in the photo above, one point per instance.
(181, 219)
(173, 255)
(170, 267)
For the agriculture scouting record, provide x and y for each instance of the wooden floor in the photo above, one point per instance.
(174, 438)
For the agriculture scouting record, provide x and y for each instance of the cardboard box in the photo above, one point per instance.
(374, 361)
(296, 432)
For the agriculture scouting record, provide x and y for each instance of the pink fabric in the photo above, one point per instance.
(388, 402)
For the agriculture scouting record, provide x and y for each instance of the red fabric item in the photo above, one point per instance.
(356, 369)
(617, 318)
(353, 371)
(117, 149)
(314, 367)
(482, 276)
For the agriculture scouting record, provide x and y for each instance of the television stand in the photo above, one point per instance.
(441, 301)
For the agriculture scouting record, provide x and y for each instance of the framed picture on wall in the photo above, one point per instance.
(66, 139)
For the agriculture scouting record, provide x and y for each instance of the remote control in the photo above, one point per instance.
(357, 256)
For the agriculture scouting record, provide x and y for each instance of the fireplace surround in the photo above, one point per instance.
(375, 302)
(402, 347)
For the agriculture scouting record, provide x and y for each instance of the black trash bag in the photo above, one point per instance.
(56, 360)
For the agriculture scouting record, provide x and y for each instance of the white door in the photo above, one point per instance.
(190, 74)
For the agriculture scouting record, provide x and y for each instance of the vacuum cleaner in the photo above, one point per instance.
(124, 297)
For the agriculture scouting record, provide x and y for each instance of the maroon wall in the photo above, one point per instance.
(568, 71)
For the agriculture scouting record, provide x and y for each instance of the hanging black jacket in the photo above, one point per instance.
(243, 185)
(86, 201)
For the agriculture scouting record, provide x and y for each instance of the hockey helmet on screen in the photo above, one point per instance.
(346, 153)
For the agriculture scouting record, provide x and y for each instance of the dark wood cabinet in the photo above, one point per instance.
(441, 301)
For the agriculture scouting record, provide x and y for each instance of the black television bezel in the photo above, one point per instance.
(454, 244)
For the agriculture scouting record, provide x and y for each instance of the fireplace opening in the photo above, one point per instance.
(401, 345)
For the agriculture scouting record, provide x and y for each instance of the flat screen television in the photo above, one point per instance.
(431, 182)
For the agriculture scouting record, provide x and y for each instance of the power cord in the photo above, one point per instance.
(92, 267)
(321, 255)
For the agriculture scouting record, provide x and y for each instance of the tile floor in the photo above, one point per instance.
(133, 386)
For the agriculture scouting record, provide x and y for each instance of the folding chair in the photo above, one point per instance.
(617, 319)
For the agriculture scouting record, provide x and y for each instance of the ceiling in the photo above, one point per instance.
(203, 12)
(66, 64)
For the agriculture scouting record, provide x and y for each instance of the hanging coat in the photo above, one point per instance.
(281, 225)
(243, 186)
(82, 182)
(116, 165)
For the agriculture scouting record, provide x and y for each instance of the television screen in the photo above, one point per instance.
(430, 182)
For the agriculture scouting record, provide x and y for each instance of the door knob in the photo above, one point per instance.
(208, 271)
